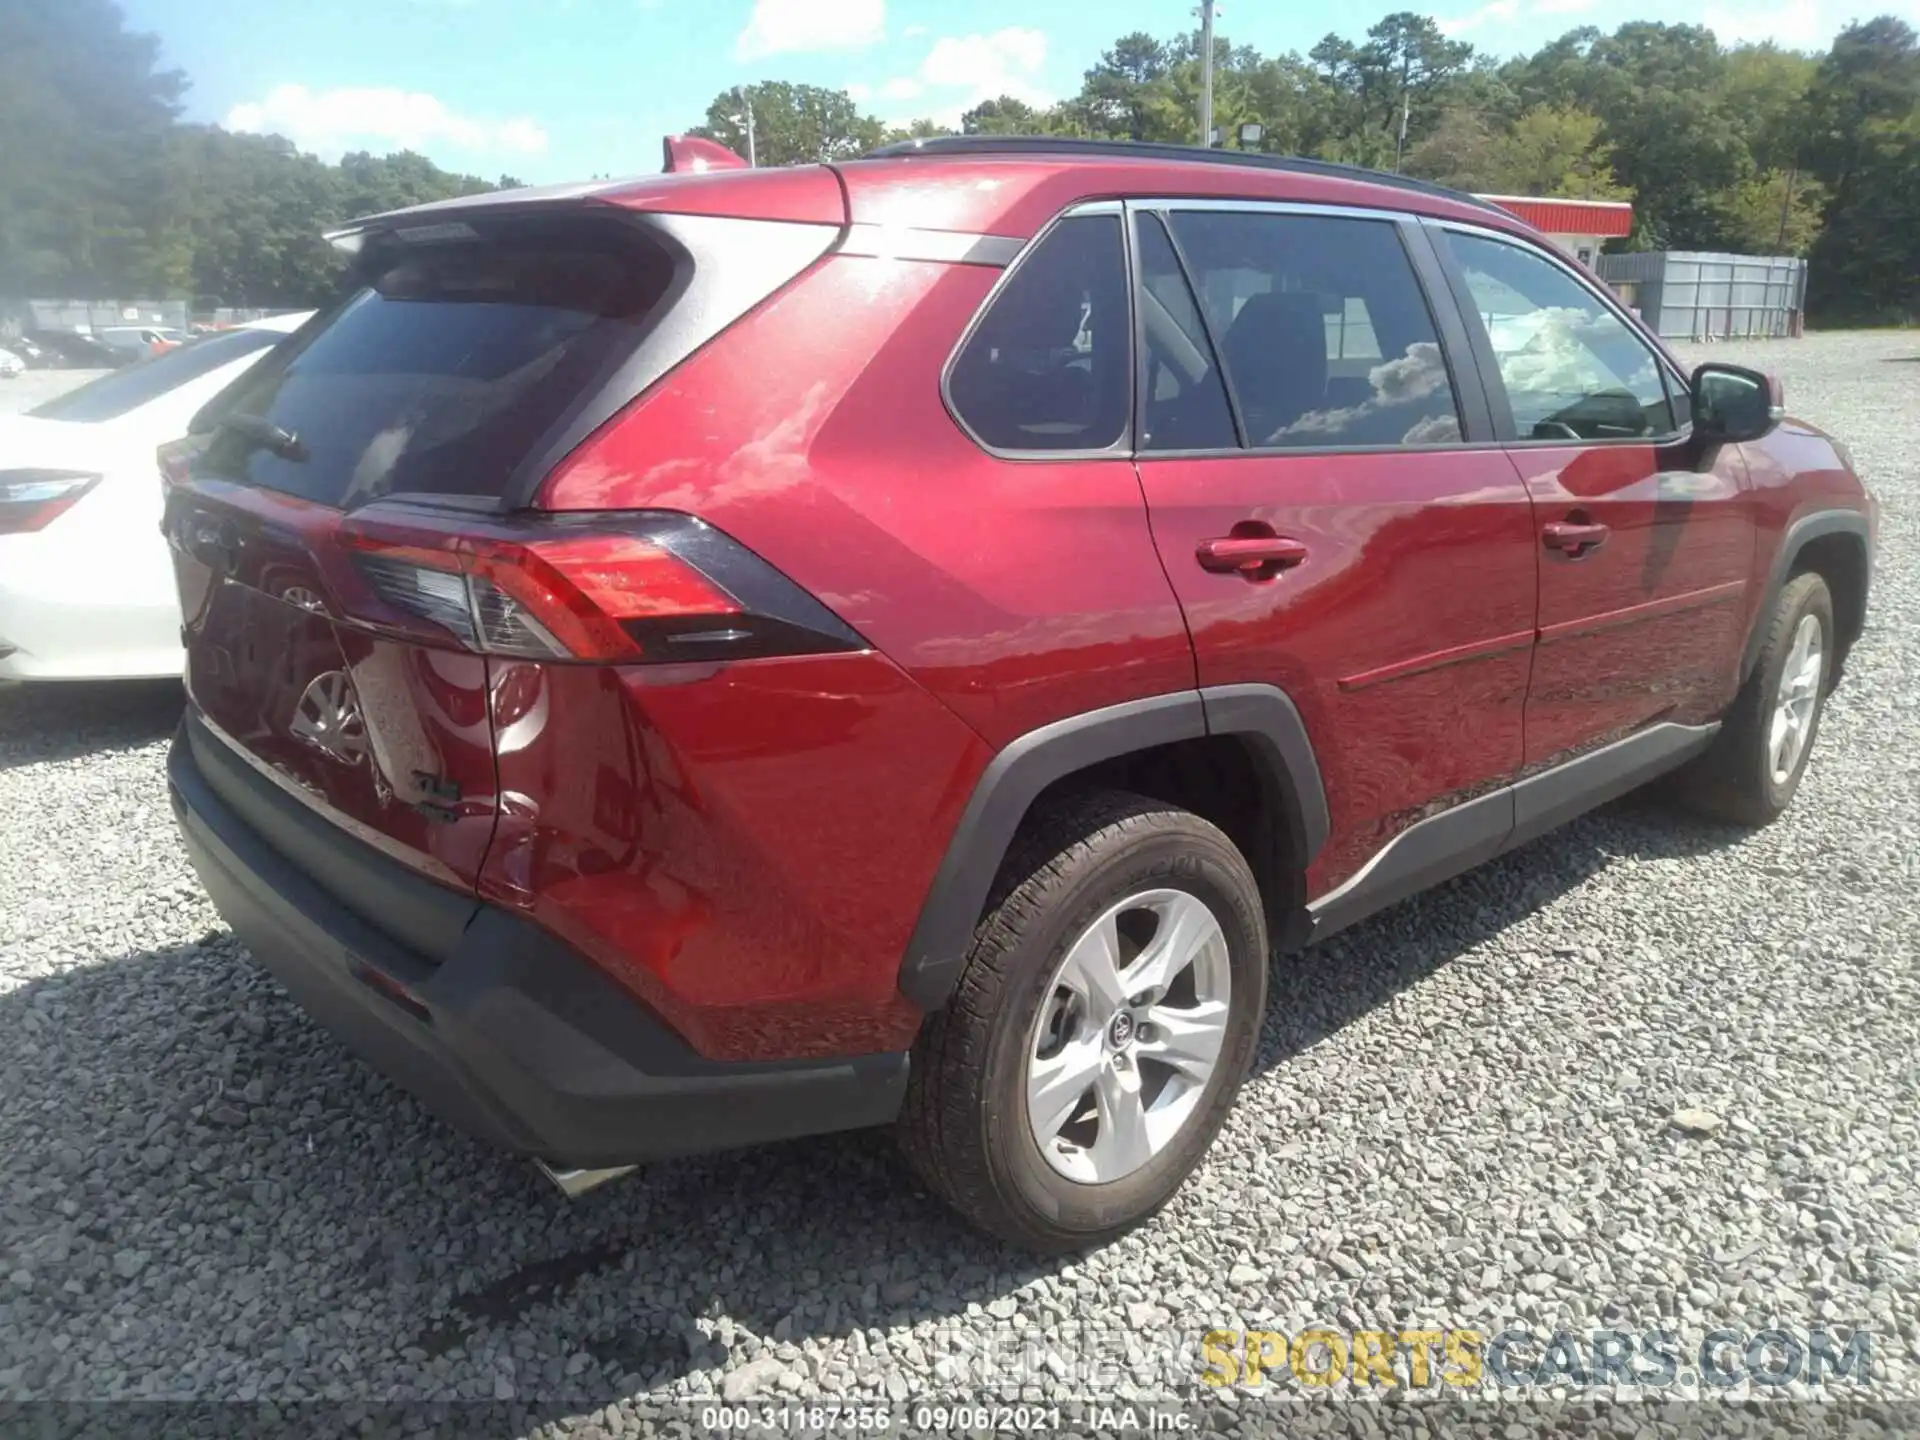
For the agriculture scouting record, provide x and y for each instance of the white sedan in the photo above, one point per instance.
(86, 581)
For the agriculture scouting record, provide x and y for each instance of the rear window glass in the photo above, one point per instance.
(115, 394)
(1046, 368)
(448, 368)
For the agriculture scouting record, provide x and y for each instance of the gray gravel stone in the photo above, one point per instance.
(752, 1378)
(1696, 1122)
(1458, 1114)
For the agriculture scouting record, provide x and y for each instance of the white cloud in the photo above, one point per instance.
(859, 92)
(329, 122)
(963, 70)
(780, 27)
(1797, 25)
(1501, 12)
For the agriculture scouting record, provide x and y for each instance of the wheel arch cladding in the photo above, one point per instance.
(1262, 717)
(1836, 545)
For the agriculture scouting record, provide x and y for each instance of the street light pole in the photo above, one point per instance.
(746, 105)
(1206, 72)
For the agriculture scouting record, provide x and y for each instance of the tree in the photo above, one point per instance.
(84, 119)
(104, 191)
(1550, 150)
(1126, 96)
(1003, 116)
(922, 129)
(1407, 60)
(1777, 212)
(1860, 93)
(1864, 146)
(1555, 150)
(793, 124)
(1767, 88)
(1658, 90)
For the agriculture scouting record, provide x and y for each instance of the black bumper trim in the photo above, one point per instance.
(515, 1036)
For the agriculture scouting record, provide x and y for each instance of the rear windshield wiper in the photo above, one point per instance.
(267, 435)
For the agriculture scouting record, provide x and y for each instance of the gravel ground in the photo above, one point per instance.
(1464, 1115)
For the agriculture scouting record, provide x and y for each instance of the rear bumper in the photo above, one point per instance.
(514, 1036)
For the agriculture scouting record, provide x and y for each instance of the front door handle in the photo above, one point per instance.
(1574, 537)
(1257, 557)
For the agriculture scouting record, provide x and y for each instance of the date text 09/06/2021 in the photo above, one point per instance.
(958, 1417)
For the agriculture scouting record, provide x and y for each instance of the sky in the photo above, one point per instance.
(565, 89)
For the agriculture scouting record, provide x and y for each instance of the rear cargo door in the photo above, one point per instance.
(465, 360)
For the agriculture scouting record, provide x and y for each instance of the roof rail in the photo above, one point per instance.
(1069, 145)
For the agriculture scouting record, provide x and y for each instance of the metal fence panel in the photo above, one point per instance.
(1697, 295)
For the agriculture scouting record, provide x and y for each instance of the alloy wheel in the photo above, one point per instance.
(1798, 697)
(1128, 1036)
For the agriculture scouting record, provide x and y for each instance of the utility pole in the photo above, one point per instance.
(1206, 72)
(1400, 144)
(1786, 206)
(746, 105)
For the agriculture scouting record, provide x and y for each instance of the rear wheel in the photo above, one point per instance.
(1750, 774)
(1101, 1027)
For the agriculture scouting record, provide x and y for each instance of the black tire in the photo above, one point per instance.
(1734, 780)
(964, 1126)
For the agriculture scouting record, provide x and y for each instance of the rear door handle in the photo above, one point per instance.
(1574, 537)
(1257, 557)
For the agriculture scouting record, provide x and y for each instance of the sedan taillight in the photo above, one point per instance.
(32, 499)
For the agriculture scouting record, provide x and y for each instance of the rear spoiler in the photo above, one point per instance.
(698, 154)
(444, 219)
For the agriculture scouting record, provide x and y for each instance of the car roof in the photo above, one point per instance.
(1010, 186)
(1015, 189)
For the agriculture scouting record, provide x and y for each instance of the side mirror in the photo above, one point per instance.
(1732, 403)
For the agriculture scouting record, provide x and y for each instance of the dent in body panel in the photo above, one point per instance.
(1018, 592)
(1648, 625)
(1404, 638)
(1794, 471)
(257, 656)
(743, 846)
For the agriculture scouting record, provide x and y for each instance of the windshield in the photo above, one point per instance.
(113, 395)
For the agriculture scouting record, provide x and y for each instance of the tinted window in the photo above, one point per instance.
(1678, 396)
(112, 396)
(1183, 400)
(449, 367)
(1325, 333)
(1046, 368)
(1573, 370)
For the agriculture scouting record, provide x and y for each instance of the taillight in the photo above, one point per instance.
(176, 459)
(633, 588)
(32, 499)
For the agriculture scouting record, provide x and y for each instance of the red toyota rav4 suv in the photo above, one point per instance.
(735, 655)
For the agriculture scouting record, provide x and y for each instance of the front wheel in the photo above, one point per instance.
(1101, 1027)
(1750, 774)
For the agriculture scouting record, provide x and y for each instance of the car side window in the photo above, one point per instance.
(1324, 331)
(1572, 369)
(1183, 399)
(1046, 368)
(1681, 399)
